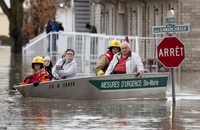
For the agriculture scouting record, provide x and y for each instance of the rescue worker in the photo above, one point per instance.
(38, 73)
(104, 60)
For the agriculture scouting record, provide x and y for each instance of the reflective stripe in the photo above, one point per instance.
(42, 72)
(100, 72)
(107, 54)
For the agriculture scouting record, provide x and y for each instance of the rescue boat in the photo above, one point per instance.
(119, 86)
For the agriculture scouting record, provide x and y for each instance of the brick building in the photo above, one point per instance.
(136, 18)
(4, 23)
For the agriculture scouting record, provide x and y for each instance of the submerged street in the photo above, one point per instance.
(18, 113)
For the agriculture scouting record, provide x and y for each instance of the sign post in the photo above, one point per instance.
(171, 51)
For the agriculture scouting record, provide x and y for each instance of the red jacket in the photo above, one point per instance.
(110, 57)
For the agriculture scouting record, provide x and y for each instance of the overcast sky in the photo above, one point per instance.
(8, 4)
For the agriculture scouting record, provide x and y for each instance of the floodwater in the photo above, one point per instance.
(18, 113)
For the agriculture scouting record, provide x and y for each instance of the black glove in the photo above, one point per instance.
(36, 83)
(28, 77)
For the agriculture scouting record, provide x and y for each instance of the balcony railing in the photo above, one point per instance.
(88, 47)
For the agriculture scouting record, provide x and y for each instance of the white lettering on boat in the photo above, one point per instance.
(131, 83)
(150, 83)
(112, 84)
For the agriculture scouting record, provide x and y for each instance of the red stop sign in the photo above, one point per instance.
(171, 52)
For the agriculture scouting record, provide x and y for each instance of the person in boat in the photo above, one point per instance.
(125, 62)
(104, 60)
(48, 66)
(38, 73)
(66, 67)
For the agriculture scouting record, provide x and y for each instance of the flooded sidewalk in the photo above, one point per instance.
(5, 55)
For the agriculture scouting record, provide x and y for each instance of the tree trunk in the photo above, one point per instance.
(15, 17)
(16, 25)
(15, 71)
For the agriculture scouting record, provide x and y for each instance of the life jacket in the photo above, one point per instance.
(42, 77)
(110, 57)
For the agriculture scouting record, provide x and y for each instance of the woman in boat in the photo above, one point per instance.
(104, 60)
(48, 66)
(66, 67)
(38, 73)
(125, 62)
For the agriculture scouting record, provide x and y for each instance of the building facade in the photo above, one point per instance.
(136, 18)
(4, 23)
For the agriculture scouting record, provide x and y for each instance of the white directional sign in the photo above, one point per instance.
(170, 20)
(170, 29)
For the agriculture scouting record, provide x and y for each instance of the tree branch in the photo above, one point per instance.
(5, 9)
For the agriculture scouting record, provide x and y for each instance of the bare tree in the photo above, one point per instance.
(15, 17)
(36, 16)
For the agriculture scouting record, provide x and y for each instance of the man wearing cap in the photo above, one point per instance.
(125, 62)
(105, 59)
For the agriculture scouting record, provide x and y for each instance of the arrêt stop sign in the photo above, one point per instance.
(171, 52)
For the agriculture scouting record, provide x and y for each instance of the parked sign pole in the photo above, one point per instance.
(173, 83)
(173, 87)
(171, 51)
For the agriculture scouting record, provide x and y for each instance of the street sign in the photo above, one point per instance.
(170, 20)
(170, 29)
(170, 52)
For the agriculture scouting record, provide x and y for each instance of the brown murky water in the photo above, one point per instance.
(18, 113)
